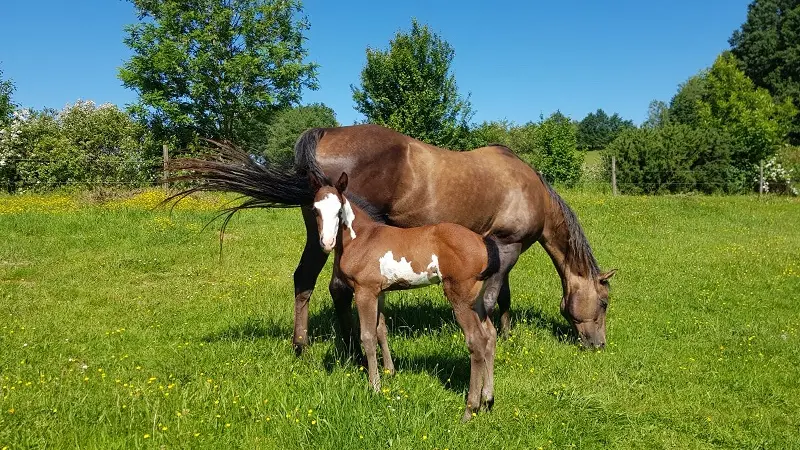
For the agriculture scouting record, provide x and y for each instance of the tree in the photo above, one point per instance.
(409, 87)
(731, 103)
(558, 159)
(657, 114)
(7, 106)
(598, 129)
(282, 133)
(215, 68)
(768, 48)
(683, 108)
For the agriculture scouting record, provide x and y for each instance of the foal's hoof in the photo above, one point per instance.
(487, 404)
(468, 415)
(298, 349)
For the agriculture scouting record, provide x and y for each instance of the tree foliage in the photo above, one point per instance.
(684, 106)
(282, 132)
(731, 103)
(768, 48)
(675, 158)
(598, 129)
(7, 105)
(215, 68)
(409, 87)
(83, 145)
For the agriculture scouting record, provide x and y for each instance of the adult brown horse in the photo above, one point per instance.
(488, 190)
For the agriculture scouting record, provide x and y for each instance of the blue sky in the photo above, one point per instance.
(517, 59)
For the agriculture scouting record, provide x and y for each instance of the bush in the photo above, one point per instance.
(549, 146)
(82, 145)
(675, 158)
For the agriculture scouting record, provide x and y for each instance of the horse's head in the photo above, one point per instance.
(584, 306)
(328, 202)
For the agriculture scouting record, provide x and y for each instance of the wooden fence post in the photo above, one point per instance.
(761, 178)
(614, 174)
(165, 150)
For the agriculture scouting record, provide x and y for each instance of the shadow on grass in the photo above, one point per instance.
(407, 319)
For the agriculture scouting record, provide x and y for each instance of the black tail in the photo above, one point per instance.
(493, 258)
(263, 184)
(305, 152)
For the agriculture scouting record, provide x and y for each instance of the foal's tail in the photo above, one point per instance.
(493, 258)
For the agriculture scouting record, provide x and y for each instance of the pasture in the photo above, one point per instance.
(121, 327)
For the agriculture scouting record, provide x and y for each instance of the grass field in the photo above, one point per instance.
(120, 328)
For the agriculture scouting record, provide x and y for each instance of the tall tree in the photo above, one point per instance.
(282, 132)
(598, 129)
(409, 87)
(730, 102)
(768, 46)
(657, 114)
(215, 67)
(683, 108)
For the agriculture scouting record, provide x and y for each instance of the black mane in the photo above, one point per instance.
(579, 253)
(373, 212)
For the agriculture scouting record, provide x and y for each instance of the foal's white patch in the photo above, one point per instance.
(328, 209)
(348, 216)
(401, 272)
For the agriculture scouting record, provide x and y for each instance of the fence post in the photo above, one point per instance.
(614, 174)
(165, 150)
(761, 178)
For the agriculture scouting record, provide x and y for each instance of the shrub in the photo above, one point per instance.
(675, 158)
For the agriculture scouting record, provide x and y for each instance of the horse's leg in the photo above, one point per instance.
(305, 277)
(470, 314)
(498, 291)
(487, 395)
(342, 296)
(383, 338)
(367, 305)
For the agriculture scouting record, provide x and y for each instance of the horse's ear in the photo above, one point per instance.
(316, 183)
(605, 276)
(341, 185)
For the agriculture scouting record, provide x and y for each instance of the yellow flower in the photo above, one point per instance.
(147, 436)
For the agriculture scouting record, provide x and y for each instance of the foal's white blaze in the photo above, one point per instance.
(328, 209)
(401, 272)
(348, 217)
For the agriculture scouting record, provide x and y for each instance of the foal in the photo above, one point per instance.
(372, 257)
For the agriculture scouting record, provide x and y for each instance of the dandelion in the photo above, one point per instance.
(147, 436)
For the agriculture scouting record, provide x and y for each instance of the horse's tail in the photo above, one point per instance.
(492, 256)
(263, 184)
(305, 152)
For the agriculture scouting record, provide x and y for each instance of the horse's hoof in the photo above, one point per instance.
(468, 415)
(487, 404)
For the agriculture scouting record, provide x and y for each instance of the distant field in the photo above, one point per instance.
(593, 159)
(121, 328)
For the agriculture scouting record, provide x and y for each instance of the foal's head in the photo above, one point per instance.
(328, 203)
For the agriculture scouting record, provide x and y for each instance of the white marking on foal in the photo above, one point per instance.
(349, 217)
(401, 271)
(328, 209)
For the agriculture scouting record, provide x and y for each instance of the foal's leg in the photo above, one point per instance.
(367, 304)
(305, 276)
(477, 341)
(487, 395)
(383, 337)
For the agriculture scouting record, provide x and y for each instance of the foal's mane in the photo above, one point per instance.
(579, 253)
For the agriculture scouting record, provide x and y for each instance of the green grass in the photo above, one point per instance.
(120, 328)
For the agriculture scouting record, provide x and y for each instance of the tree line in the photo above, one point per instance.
(236, 69)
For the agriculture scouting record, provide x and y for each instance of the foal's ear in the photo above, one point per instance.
(605, 276)
(341, 185)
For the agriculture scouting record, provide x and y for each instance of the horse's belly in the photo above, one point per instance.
(399, 275)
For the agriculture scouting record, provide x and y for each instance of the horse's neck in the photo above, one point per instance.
(556, 242)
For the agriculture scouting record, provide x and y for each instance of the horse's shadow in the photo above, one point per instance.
(407, 319)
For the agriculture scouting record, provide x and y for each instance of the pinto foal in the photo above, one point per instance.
(372, 258)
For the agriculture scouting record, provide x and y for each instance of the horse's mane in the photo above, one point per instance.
(372, 211)
(579, 253)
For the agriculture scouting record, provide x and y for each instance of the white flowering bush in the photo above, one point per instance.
(83, 145)
(777, 178)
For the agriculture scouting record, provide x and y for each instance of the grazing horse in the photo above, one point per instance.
(372, 258)
(488, 190)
